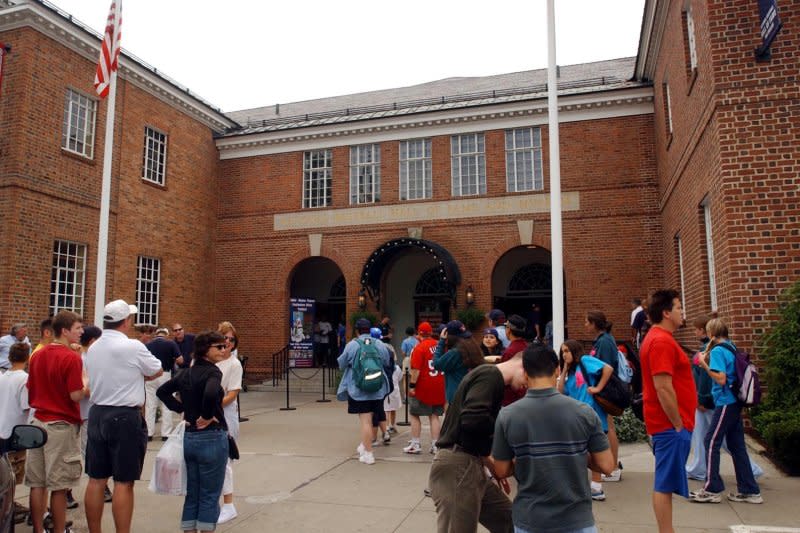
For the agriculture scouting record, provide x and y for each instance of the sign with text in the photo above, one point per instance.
(301, 326)
(770, 23)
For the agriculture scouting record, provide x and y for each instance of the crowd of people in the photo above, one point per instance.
(508, 405)
(97, 394)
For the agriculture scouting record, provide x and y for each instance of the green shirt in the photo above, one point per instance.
(549, 435)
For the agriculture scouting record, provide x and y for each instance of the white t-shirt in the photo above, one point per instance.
(231, 380)
(117, 367)
(13, 401)
(86, 403)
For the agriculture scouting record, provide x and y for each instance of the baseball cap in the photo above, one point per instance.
(375, 333)
(492, 331)
(363, 324)
(118, 310)
(516, 323)
(162, 331)
(455, 327)
(425, 328)
(496, 315)
(439, 329)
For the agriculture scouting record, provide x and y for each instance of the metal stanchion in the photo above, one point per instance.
(239, 408)
(406, 422)
(287, 408)
(323, 400)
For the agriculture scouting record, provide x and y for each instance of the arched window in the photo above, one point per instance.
(531, 280)
(432, 283)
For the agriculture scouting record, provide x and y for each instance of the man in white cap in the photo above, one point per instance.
(117, 367)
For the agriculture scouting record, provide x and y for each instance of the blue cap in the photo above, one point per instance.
(375, 333)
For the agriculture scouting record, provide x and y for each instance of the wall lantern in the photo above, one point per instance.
(362, 299)
(470, 297)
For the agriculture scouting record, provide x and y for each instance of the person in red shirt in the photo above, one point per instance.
(670, 401)
(515, 329)
(55, 386)
(425, 390)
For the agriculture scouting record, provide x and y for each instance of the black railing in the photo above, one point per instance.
(280, 362)
(439, 100)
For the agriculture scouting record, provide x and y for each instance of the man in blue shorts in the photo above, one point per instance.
(670, 401)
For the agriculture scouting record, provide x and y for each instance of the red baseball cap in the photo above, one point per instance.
(425, 328)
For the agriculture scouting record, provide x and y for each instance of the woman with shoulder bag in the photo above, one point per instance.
(205, 442)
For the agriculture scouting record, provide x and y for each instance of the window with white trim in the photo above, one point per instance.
(77, 133)
(365, 174)
(679, 247)
(667, 108)
(415, 170)
(68, 277)
(524, 160)
(317, 178)
(468, 164)
(154, 168)
(148, 280)
(712, 275)
(690, 38)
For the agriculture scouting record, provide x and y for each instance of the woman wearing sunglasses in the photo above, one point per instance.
(205, 443)
(232, 373)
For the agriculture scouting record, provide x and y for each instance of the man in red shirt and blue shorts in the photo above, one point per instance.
(670, 400)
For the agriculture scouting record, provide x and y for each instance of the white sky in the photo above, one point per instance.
(239, 54)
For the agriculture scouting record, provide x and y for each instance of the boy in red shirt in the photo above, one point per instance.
(55, 386)
(670, 401)
(425, 390)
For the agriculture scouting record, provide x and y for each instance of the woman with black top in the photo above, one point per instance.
(205, 443)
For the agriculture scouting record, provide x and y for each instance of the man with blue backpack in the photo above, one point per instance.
(364, 383)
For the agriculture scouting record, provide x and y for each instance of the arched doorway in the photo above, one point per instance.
(411, 280)
(522, 279)
(321, 280)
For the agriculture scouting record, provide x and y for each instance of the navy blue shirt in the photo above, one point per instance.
(165, 351)
(186, 347)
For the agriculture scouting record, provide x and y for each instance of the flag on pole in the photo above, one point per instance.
(109, 51)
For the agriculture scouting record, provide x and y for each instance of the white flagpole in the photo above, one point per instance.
(105, 197)
(555, 181)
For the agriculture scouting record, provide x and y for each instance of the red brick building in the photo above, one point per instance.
(412, 195)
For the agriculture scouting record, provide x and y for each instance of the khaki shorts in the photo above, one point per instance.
(57, 465)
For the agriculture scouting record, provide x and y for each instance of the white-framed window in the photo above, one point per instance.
(154, 168)
(77, 133)
(468, 164)
(317, 178)
(148, 281)
(416, 181)
(712, 275)
(667, 108)
(365, 174)
(68, 277)
(690, 38)
(679, 246)
(524, 160)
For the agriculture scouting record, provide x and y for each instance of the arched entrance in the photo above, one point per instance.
(522, 278)
(320, 279)
(411, 280)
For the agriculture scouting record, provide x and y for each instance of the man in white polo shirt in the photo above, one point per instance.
(117, 367)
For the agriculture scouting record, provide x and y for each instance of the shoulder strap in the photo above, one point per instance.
(586, 375)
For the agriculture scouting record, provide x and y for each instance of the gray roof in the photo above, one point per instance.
(435, 95)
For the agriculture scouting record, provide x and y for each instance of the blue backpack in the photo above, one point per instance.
(368, 366)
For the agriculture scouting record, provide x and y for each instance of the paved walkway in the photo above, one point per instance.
(299, 473)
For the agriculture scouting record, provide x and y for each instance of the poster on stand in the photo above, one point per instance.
(301, 327)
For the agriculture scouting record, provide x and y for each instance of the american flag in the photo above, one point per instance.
(109, 51)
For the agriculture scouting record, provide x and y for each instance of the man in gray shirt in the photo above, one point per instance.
(546, 440)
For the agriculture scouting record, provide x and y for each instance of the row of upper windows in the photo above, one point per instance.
(523, 149)
(78, 136)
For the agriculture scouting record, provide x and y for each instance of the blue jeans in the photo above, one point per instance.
(206, 454)
(696, 467)
(726, 424)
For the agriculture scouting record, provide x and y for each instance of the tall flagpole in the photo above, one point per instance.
(105, 195)
(555, 181)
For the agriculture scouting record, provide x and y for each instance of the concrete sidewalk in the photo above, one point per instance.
(300, 473)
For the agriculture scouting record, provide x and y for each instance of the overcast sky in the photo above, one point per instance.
(239, 54)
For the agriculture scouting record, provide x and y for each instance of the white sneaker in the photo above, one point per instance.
(434, 449)
(376, 442)
(360, 449)
(227, 513)
(413, 448)
(616, 475)
(387, 438)
(367, 458)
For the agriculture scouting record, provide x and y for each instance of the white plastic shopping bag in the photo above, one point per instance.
(169, 470)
